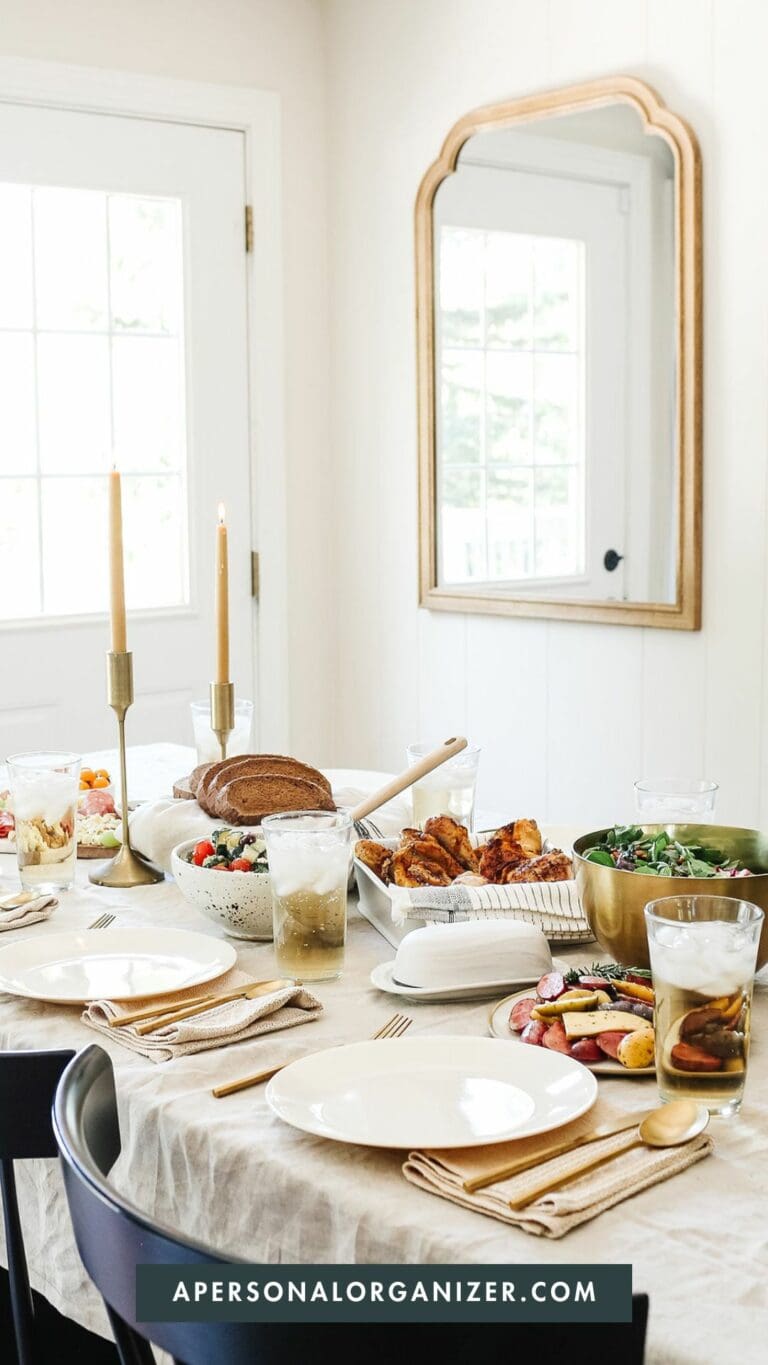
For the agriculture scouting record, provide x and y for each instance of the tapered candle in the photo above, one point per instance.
(222, 600)
(116, 578)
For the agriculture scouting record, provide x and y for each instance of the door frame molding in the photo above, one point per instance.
(256, 114)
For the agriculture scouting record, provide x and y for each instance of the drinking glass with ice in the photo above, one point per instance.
(308, 854)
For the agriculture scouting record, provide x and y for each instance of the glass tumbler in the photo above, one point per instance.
(44, 794)
(447, 790)
(703, 953)
(675, 801)
(207, 744)
(309, 854)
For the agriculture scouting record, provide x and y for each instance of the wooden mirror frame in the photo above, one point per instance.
(685, 612)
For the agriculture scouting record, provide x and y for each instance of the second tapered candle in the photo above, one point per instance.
(222, 600)
(116, 579)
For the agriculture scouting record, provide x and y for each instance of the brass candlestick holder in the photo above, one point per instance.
(127, 868)
(222, 713)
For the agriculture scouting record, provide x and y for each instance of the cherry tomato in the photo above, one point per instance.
(204, 849)
(240, 865)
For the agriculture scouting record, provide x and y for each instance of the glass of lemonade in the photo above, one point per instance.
(44, 792)
(703, 954)
(449, 789)
(308, 853)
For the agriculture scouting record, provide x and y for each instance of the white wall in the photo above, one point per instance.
(272, 45)
(568, 714)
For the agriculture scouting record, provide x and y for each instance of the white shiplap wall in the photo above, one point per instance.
(568, 714)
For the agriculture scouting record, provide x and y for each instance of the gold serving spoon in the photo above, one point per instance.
(17, 899)
(668, 1126)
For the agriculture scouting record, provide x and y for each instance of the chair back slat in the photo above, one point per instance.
(28, 1083)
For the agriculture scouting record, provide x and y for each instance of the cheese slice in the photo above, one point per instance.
(601, 1021)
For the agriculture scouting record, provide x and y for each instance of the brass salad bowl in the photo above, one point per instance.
(614, 900)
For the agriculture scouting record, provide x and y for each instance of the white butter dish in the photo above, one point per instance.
(465, 961)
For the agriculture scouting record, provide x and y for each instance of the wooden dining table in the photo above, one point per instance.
(229, 1173)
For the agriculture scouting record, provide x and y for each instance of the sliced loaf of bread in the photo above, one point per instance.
(246, 800)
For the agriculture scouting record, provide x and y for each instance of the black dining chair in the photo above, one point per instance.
(113, 1238)
(28, 1083)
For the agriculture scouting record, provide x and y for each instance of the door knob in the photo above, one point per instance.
(611, 560)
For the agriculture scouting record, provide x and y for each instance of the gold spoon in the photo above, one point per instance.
(668, 1126)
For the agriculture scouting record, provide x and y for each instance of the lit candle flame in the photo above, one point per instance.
(221, 513)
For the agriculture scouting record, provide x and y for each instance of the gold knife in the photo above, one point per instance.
(200, 1007)
(154, 1011)
(525, 1163)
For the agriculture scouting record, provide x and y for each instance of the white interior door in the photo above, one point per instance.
(123, 341)
(531, 425)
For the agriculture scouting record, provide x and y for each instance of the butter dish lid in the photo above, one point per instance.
(472, 951)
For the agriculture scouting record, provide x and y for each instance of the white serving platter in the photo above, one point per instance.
(111, 964)
(498, 1022)
(430, 1092)
(383, 978)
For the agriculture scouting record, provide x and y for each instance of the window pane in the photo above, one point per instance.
(145, 253)
(148, 403)
(559, 523)
(19, 548)
(462, 407)
(17, 403)
(510, 524)
(70, 259)
(558, 435)
(461, 286)
(73, 397)
(558, 268)
(154, 520)
(463, 526)
(74, 546)
(508, 379)
(508, 290)
(16, 297)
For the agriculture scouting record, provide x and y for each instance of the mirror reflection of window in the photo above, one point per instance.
(512, 410)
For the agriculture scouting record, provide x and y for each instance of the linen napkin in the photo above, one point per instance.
(556, 1213)
(554, 907)
(31, 912)
(234, 1022)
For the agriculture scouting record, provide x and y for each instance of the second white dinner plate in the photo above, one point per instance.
(111, 964)
(430, 1092)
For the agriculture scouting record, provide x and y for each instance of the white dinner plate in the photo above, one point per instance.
(498, 1022)
(111, 964)
(383, 977)
(430, 1092)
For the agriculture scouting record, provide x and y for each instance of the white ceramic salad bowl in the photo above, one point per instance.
(241, 902)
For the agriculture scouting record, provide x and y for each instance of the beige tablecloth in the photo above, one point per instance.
(230, 1173)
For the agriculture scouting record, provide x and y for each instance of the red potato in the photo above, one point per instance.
(551, 986)
(609, 1042)
(555, 1038)
(586, 1050)
(534, 1032)
(521, 1012)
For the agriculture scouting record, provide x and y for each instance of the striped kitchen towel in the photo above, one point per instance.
(554, 907)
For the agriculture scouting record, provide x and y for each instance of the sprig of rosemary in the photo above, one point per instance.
(611, 971)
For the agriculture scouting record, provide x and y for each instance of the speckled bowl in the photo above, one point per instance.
(241, 902)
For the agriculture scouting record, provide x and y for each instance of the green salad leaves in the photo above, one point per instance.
(627, 848)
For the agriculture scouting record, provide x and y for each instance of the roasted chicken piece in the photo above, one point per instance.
(454, 838)
(547, 867)
(527, 834)
(428, 849)
(411, 869)
(376, 857)
(502, 850)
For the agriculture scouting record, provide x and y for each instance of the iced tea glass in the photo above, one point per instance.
(44, 792)
(309, 854)
(703, 954)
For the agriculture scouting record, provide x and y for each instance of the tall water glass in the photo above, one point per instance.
(447, 790)
(207, 743)
(44, 792)
(309, 854)
(703, 953)
(675, 800)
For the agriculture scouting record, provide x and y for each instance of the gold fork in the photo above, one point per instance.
(103, 922)
(394, 1028)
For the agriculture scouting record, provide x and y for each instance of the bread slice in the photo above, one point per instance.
(246, 800)
(185, 788)
(219, 773)
(256, 765)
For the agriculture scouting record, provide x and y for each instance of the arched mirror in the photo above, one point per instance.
(558, 250)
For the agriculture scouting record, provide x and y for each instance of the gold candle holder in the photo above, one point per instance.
(127, 868)
(222, 713)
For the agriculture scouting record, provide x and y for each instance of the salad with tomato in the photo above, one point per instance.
(231, 850)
